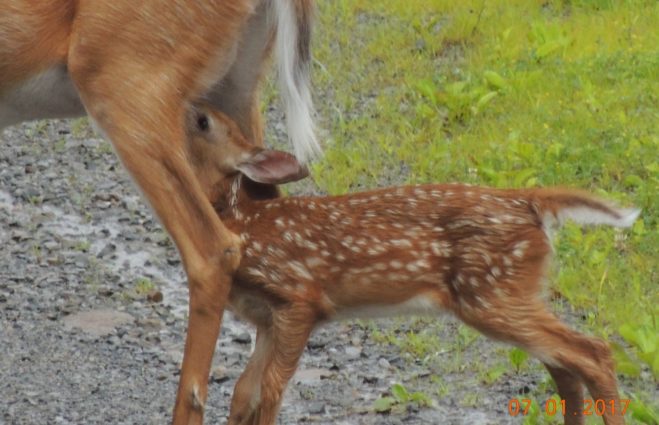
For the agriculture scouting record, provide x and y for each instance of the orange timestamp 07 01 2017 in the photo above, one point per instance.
(555, 406)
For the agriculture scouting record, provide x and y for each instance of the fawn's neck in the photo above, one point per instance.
(241, 195)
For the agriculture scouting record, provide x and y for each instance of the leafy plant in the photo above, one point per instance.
(493, 374)
(645, 338)
(643, 412)
(144, 285)
(518, 358)
(547, 39)
(399, 400)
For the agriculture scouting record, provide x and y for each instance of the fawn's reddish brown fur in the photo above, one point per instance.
(132, 66)
(478, 253)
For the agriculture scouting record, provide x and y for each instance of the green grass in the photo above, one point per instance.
(511, 94)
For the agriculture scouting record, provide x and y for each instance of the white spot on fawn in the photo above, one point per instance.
(256, 272)
(520, 248)
(300, 270)
(412, 267)
(401, 243)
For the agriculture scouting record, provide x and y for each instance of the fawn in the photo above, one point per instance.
(132, 66)
(478, 253)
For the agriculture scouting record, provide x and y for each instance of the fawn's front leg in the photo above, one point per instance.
(247, 392)
(291, 328)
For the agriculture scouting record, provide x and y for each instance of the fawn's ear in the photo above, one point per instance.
(273, 167)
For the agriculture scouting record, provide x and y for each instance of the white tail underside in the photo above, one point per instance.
(295, 89)
(585, 215)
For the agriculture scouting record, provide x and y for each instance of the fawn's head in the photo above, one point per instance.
(218, 152)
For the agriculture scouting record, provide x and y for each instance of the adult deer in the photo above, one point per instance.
(132, 66)
(477, 253)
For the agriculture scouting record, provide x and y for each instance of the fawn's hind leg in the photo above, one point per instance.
(570, 389)
(570, 356)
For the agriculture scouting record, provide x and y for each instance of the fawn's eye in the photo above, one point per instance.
(202, 123)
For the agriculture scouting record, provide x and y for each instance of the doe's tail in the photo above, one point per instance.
(293, 20)
(555, 206)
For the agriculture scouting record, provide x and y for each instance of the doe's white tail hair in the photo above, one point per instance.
(293, 23)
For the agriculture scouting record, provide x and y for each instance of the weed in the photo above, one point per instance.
(399, 400)
(144, 285)
(60, 145)
(518, 358)
(80, 127)
(82, 246)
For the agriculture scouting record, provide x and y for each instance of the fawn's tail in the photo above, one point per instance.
(555, 206)
(292, 47)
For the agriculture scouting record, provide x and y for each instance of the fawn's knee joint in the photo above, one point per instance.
(231, 254)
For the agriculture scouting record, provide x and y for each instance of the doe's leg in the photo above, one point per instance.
(135, 75)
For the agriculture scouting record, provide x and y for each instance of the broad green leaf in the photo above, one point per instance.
(555, 150)
(400, 393)
(384, 404)
(643, 413)
(633, 181)
(547, 49)
(522, 176)
(624, 363)
(427, 89)
(494, 374)
(495, 80)
(628, 333)
(485, 99)
(517, 357)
